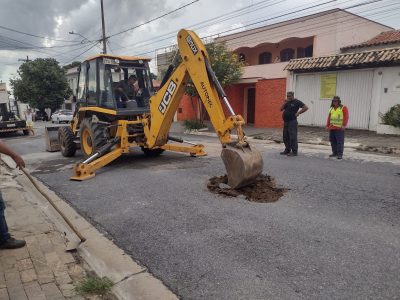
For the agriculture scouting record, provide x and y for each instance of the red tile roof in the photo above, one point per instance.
(385, 57)
(387, 37)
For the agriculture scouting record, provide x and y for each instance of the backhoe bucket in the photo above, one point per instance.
(51, 135)
(242, 165)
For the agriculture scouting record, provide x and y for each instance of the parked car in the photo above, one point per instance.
(41, 116)
(61, 116)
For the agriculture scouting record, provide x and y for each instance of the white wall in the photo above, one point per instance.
(3, 93)
(389, 92)
(385, 91)
(267, 71)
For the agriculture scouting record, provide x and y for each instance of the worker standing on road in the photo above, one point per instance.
(290, 113)
(338, 118)
(6, 240)
(29, 119)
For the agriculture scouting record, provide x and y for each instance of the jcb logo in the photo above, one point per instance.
(167, 97)
(191, 45)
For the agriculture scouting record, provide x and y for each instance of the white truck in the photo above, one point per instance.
(9, 122)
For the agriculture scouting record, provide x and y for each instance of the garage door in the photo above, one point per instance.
(353, 87)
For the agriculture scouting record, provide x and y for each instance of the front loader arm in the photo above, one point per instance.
(164, 104)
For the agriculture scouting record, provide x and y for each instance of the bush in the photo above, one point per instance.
(193, 124)
(392, 117)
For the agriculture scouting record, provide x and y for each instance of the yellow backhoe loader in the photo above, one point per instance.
(118, 110)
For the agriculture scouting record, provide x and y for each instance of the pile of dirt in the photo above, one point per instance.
(263, 189)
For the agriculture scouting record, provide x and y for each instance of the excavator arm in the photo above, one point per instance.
(242, 163)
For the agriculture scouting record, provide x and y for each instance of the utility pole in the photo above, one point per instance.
(25, 60)
(104, 29)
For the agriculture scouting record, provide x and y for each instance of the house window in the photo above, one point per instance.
(300, 52)
(287, 54)
(242, 57)
(308, 51)
(264, 58)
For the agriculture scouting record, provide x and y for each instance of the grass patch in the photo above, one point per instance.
(94, 286)
(193, 124)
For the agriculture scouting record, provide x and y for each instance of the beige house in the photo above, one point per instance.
(267, 50)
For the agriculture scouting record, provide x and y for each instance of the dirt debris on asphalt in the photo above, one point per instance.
(263, 190)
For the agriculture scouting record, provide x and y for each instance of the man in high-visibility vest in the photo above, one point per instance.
(338, 118)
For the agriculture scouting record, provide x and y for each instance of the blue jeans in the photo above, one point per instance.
(4, 235)
(336, 137)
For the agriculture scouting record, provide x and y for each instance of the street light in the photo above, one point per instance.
(84, 38)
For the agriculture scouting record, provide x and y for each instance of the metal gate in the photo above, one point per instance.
(353, 87)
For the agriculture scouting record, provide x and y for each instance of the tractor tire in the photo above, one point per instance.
(66, 138)
(152, 152)
(92, 137)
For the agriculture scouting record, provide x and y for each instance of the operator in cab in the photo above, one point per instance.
(126, 91)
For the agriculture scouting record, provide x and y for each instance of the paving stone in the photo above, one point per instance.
(44, 274)
(56, 238)
(2, 280)
(63, 277)
(33, 291)
(8, 263)
(18, 254)
(24, 264)
(54, 262)
(28, 275)
(68, 290)
(65, 257)
(52, 291)
(77, 272)
(45, 243)
(14, 285)
(4, 294)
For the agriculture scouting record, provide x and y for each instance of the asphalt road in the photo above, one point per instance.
(335, 234)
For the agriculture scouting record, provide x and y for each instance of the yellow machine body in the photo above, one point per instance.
(105, 133)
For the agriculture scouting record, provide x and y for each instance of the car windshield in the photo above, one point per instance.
(65, 112)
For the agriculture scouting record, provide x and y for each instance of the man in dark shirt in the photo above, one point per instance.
(290, 113)
(126, 90)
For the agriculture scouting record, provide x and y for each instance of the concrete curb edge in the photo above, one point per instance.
(132, 281)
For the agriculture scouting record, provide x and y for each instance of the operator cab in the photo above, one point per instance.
(120, 83)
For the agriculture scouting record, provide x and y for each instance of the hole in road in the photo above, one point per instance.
(262, 190)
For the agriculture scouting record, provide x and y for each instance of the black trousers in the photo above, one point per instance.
(336, 137)
(290, 136)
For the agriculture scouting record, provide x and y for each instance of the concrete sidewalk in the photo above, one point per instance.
(362, 140)
(42, 269)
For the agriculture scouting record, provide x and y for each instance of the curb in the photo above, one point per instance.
(131, 281)
(355, 146)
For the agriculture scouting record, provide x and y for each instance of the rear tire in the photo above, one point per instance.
(92, 137)
(152, 152)
(66, 139)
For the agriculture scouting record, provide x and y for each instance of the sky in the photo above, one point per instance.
(41, 28)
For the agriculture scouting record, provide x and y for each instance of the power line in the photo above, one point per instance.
(217, 19)
(152, 20)
(35, 35)
(80, 54)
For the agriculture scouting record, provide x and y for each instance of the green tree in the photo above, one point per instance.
(41, 83)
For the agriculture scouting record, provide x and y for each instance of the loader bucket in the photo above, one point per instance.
(242, 165)
(51, 135)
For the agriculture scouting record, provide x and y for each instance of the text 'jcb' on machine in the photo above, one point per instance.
(118, 110)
